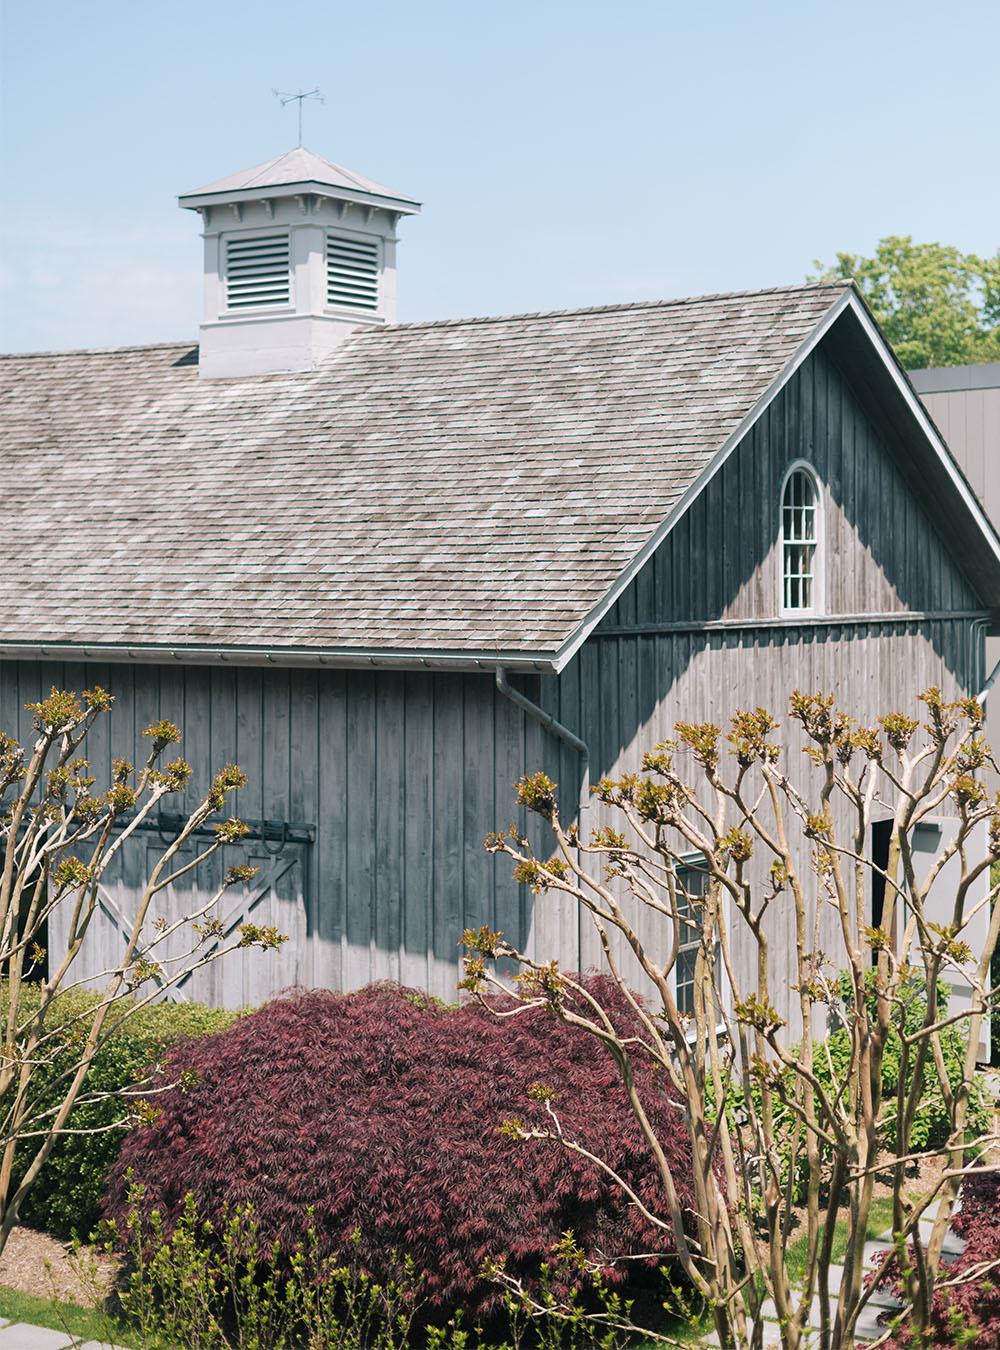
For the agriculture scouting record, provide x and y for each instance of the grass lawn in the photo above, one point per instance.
(879, 1220)
(88, 1323)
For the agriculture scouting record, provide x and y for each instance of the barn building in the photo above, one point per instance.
(389, 568)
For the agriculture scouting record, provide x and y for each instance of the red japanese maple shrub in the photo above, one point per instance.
(379, 1112)
(965, 1310)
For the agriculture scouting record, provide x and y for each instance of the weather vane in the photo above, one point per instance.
(299, 98)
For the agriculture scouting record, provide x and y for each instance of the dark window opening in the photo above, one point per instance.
(881, 835)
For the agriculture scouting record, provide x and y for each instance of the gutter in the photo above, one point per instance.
(341, 659)
(551, 724)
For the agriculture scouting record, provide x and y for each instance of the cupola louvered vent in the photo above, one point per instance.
(257, 272)
(351, 272)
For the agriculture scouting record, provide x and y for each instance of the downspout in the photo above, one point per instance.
(984, 693)
(550, 723)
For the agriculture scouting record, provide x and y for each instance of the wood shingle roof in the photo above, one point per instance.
(463, 488)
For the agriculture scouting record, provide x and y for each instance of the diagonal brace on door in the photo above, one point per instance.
(120, 922)
(239, 912)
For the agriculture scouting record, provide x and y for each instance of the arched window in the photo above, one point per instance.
(801, 579)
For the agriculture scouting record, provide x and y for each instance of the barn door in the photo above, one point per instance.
(276, 897)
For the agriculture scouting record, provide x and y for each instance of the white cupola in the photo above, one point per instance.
(298, 252)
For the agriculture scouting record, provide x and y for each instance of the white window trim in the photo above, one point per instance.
(690, 941)
(818, 605)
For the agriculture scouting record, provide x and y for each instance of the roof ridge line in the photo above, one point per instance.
(372, 333)
(832, 285)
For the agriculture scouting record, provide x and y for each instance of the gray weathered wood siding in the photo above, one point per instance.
(625, 692)
(697, 634)
(398, 777)
(964, 402)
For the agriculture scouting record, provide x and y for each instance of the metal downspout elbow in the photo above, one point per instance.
(551, 724)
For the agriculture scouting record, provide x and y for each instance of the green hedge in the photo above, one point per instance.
(66, 1198)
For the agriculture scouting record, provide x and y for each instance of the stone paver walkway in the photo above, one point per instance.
(868, 1327)
(21, 1336)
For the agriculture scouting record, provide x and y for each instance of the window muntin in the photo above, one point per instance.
(800, 525)
(258, 272)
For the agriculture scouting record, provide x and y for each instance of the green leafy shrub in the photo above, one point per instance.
(931, 1124)
(221, 1287)
(66, 1198)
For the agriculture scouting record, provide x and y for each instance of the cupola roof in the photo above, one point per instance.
(297, 171)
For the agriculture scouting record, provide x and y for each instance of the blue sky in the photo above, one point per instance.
(566, 153)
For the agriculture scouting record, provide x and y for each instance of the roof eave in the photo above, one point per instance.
(197, 201)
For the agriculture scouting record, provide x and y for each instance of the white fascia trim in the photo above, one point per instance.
(194, 201)
(579, 637)
(542, 663)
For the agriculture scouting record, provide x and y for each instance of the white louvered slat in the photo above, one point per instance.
(351, 272)
(257, 271)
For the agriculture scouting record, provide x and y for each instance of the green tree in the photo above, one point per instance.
(936, 305)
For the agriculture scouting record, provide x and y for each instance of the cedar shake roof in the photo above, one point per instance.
(457, 488)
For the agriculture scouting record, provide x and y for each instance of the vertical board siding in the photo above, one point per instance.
(969, 420)
(360, 841)
(329, 946)
(417, 860)
(390, 813)
(400, 775)
(872, 669)
(476, 804)
(303, 798)
(513, 756)
(447, 831)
